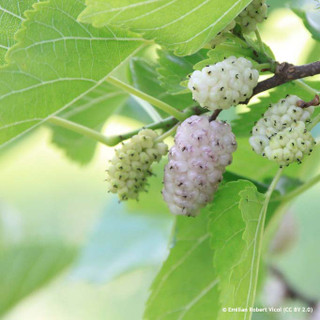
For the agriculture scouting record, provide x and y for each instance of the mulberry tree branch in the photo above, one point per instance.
(284, 73)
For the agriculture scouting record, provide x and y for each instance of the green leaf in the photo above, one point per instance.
(309, 13)
(231, 176)
(56, 62)
(183, 26)
(223, 51)
(11, 17)
(133, 109)
(123, 241)
(91, 111)
(236, 227)
(26, 268)
(186, 286)
(145, 78)
(174, 69)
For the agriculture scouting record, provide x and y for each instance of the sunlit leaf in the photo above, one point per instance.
(183, 26)
(122, 242)
(26, 268)
(11, 17)
(56, 62)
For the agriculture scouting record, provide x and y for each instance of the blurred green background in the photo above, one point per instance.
(65, 240)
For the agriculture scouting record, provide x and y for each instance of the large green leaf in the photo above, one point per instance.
(186, 286)
(26, 268)
(56, 62)
(91, 111)
(11, 17)
(236, 228)
(122, 242)
(183, 26)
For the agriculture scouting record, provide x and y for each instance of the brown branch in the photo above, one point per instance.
(306, 104)
(286, 72)
(215, 115)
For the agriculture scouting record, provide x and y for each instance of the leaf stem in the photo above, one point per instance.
(152, 100)
(273, 185)
(168, 133)
(261, 46)
(306, 87)
(78, 128)
(262, 66)
(167, 123)
(111, 141)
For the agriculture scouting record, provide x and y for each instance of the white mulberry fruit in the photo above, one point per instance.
(281, 134)
(197, 161)
(223, 84)
(253, 14)
(130, 166)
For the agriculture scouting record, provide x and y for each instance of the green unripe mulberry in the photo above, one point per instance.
(131, 165)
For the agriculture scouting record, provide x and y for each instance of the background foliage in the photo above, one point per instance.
(60, 231)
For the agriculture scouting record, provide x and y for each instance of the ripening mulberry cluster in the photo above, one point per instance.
(197, 161)
(130, 167)
(281, 134)
(223, 84)
(253, 14)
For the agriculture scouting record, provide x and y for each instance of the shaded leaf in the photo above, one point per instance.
(308, 12)
(26, 268)
(56, 62)
(174, 69)
(134, 110)
(176, 24)
(304, 254)
(122, 242)
(91, 111)
(145, 78)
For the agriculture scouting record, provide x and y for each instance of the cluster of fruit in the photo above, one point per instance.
(203, 148)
